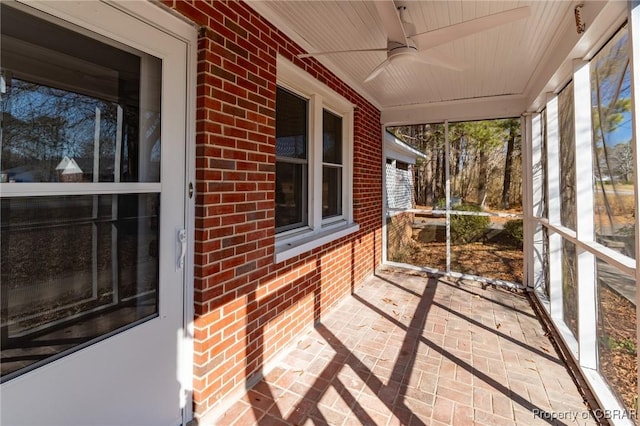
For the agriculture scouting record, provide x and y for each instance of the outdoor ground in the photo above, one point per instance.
(617, 345)
(493, 260)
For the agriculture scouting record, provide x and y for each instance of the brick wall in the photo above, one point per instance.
(247, 307)
(400, 241)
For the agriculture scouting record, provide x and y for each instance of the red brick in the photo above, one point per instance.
(235, 169)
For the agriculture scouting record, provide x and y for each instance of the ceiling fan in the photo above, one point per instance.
(403, 44)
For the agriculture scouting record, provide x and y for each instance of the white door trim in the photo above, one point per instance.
(179, 27)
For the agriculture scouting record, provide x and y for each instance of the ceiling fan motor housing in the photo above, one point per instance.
(397, 51)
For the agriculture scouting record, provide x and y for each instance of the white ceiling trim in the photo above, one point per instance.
(507, 106)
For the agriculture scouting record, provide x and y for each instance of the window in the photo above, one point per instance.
(331, 165)
(314, 139)
(291, 160)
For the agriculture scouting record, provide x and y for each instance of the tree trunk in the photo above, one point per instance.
(428, 179)
(482, 178)
(506, 188)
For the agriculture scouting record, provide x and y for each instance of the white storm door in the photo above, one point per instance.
(92, 194)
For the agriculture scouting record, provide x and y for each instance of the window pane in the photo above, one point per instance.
(567, 158)
(544, 256)
(485, 176)
(331, 138)
(291, 125)
(489, 247)
(485, 165)
(545, 261)
(430, 172)
(612, 146)
(72, 108)
(331, 191)
(428, 246)
(291, 195)
(570, 286)
(74, 268)
(617, 339)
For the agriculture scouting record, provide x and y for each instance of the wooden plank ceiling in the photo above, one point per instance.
(499, 62)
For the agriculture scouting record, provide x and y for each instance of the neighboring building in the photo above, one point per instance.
(68, 170)
(399, 194)
(400, 172)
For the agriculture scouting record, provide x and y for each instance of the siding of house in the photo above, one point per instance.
(399, 187)
(247, 308)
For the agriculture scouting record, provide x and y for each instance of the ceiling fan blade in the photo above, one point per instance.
(443, 35)
(436, 57)
(331, 52)
(377, 70)
(391, 21)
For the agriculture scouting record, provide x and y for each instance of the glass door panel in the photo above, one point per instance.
(74, 269)
(92, 313)
(73, 109)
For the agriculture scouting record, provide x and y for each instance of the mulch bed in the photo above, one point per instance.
(491, 260)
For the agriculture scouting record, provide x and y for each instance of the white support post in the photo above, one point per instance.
(586, 265)
(536, 208)
(447, 192)
(385, 204)
(554, 200)
(527, 220)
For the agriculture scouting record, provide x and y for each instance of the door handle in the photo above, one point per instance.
(182, 241)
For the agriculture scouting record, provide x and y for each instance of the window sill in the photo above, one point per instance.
(301, 243)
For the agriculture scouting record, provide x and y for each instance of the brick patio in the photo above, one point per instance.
(410, 350)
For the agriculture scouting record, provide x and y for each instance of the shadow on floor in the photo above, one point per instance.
(411, 350)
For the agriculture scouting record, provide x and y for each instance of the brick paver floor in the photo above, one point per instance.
(410, 350)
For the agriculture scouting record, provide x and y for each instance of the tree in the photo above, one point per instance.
(473, 152)
(611, 93)
(623, 157)
(476, 161)
(513, 129)
(44, 124)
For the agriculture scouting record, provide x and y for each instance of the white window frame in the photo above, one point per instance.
(583, 347)
(319, 146)
(320, 97)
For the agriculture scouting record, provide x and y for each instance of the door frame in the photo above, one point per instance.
(181, 28)
(173, 24)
